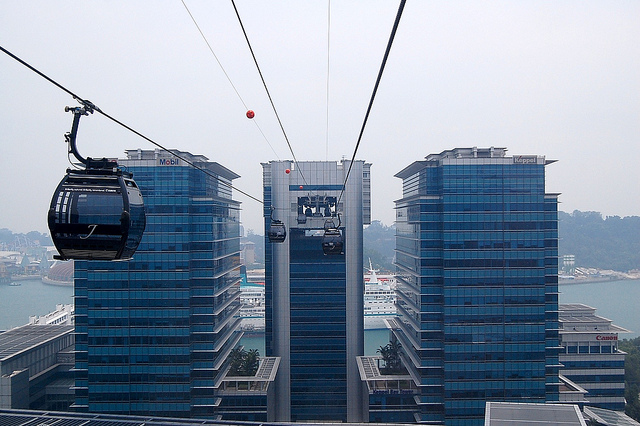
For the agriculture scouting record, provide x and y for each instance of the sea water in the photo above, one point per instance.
(617, 300)
(30, 298)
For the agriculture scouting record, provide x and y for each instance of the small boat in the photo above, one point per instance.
(14, 284)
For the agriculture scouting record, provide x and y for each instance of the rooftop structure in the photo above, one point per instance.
(18, 341)
(29, 359)
(31, 418)
(609, 417)
(63, 315)
(580, 318)
(523, 414)
(244, 398)
(590, 356)
(391, 396)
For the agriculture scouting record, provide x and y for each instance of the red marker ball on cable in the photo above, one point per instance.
(250, 114)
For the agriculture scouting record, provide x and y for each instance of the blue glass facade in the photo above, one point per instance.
(153, 333)
(318, 330)
(476, 255)
(314, 302)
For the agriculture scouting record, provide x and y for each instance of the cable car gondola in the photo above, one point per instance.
(332, 239)
(277, 231)
(96, 213)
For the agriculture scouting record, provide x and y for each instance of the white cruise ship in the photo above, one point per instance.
(379, 299)
(252, 311)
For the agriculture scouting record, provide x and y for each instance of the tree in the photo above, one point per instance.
(243, 363)
(391, 357)
(632, 376)
(236, 359)
(251, 362)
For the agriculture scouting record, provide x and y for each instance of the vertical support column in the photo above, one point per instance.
(357, 407)
(281, 299)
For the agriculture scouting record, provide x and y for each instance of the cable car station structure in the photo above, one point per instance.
(314, 287)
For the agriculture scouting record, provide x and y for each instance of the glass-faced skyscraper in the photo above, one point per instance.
(153, 333)
(476, 257)
(314, 301)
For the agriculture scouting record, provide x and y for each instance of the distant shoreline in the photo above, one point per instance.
(561, 281)
(49, 281)
(592, 280)
(25, 277)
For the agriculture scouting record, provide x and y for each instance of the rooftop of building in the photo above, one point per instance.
(256, 384)
(577, 317)
(30, 418)
(531, 414)
(339, 163)
(609, 417)
(377, 382)
(266, 372)
(20, 339)
(568, 386)
(174, 154)
(473, 153)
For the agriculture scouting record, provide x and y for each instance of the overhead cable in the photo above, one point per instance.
(88, 103)
(328, 74)
(227, 75)
(373, 95)
(267, 90)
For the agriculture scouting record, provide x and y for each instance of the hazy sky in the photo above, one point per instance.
(554, 78)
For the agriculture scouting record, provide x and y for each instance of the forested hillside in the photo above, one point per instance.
(379, 243)
(605, 243)
(11, 241)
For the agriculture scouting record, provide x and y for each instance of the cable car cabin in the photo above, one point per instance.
(96, 214)
(277, 232)
(332, 240)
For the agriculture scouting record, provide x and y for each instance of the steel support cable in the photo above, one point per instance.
(373, 95)
(328, 73)
(255, 60)
(92, 106)
(227, 76)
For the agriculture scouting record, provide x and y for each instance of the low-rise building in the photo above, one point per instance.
(590, 355)
(392, 396)
(33, 358)
(244, 398)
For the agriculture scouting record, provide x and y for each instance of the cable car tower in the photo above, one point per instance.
(96, 213)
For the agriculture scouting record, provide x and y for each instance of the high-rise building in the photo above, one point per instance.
(477, 264)
(314, 301)
(153, 333)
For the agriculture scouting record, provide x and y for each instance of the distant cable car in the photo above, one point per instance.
(277, 231)
(96, 213)
(332, 239)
